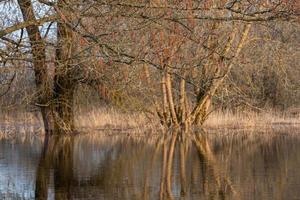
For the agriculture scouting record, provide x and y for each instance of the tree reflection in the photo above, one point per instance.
(57, 155)
(176, 165)
(214, 182)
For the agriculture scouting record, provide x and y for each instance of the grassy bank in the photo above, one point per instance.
(117, 122)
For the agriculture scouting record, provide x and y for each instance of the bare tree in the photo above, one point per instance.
(191, 45)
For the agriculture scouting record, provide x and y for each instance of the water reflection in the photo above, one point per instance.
(169, 166)
(199, 173)
(57, 155)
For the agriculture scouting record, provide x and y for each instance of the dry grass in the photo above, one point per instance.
(20, 122)
(96, 119)
(251, 120)
(112, 122)
(111, 119)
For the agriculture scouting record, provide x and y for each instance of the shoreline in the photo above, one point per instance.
(115, 122)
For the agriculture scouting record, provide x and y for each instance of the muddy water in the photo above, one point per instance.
(93, 166)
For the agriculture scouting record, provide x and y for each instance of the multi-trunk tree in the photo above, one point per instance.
(195, 48)
(55, 97)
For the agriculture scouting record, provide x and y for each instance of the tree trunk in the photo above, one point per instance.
(48, 119)
(216, 82)
(64, 115)
(64, 82)
(38, 50)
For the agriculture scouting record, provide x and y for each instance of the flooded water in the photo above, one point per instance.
(200, 166)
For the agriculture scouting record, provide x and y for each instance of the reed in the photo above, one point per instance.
(248, 119)
(111, 121)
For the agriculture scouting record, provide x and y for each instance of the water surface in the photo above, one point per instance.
(201, 166)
